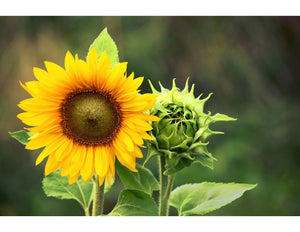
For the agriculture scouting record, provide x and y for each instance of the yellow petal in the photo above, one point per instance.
(39, 140)
(140, 103)
(30, 87)
(131, 85)
(137, 152)
(146, 117)
(66, 166)
(40, 74)
(51, 148)
(141, 124)
(36, 119)
(145, 135)
(137, 139)
(92, 66)
(69, 60)
(101, 160)
(127, 96)
(51, 165)
(92, 56)
(111, 160)
(53, 123)
(88, 169)
(103, 70)
(126, 141)
(55, 69)
(78, 161)
(64, 150)
(78, 154)
(73, 178)
(34, 105)
(101, 180)
(125, 158)
(116, 78)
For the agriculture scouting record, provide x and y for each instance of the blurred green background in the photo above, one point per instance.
(251, 64)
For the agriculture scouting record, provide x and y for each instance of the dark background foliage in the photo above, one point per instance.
(251, 64)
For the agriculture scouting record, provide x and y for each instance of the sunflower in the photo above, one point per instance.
(85, 116)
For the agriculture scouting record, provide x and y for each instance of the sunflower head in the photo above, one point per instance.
(85, 115)
(90, 118)
(182, 133)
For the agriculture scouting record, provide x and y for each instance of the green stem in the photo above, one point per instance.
(165, 188)
(98, 201)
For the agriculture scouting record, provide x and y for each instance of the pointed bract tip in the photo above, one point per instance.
(208, 97)
(192, 89)
(152, 88)
(161, 87)
(186, 87)
(174, 84)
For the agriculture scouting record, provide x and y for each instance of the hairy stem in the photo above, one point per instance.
(166, 184)
(98, 201)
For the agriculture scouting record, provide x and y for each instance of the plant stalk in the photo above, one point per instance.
(166, 183)
(98, 201)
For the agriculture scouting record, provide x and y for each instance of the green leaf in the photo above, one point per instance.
(135, 203)
(105, 43)
(57, 186)
(142, 180)
(21, 136)
(200, 199)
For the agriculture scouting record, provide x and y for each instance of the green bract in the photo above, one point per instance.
(181, 134)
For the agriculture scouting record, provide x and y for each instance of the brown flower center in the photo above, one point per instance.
(90, 117)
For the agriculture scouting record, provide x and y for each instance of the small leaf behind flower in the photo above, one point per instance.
(57, 186)
(200, 199)
(105, 43)
(21, 136)
(142, 180)
(135, 203)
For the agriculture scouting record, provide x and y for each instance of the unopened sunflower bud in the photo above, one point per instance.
(181, 134)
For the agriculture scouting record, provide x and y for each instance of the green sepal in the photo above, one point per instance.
(209, 133)
(167, 152)
(200, 132)
(175, 165)
(154, 91)
(182, 146)
(177, 162)
(163, 141)
(220, 117)
(198, 144)
(55, 185)
(152, 151)
(202, 150)
(142, 180)
(200, 199)
(105, 43)
(205, 161)
(21, 136)
(200, 103)
(134, 203)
